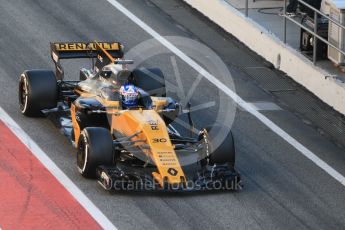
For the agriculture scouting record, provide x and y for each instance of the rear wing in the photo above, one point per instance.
(72, 50)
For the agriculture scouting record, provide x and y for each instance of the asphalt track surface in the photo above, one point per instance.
(282, 188)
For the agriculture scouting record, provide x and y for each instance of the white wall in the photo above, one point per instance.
(259, 39)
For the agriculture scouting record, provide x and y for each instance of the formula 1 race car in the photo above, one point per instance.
(126, 146)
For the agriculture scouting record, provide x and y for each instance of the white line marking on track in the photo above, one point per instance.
(83, 200)
(265, 106)
(246, 106)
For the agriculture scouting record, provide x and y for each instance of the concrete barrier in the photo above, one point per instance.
(318, 81)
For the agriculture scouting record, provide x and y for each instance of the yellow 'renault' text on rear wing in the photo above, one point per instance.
(79, 46)
(71, 50)
(65, 50)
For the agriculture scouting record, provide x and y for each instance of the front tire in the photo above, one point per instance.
(95, 148)
(37, 91)
(219, 153)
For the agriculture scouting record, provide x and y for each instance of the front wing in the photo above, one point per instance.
(128, 178)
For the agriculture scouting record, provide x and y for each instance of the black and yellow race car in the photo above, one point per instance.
(126, 148)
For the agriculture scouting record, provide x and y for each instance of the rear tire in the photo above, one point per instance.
(220, 153)
(37, 91)
(150, 80)
(95, 148)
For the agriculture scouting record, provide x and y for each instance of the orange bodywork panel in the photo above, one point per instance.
(151, 128)
(76, 127)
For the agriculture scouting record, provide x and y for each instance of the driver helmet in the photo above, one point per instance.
(129, 96)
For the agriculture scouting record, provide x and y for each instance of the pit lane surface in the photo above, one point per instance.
(282, 189)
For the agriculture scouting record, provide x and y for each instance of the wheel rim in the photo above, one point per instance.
(83, 151)
(23, 94)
